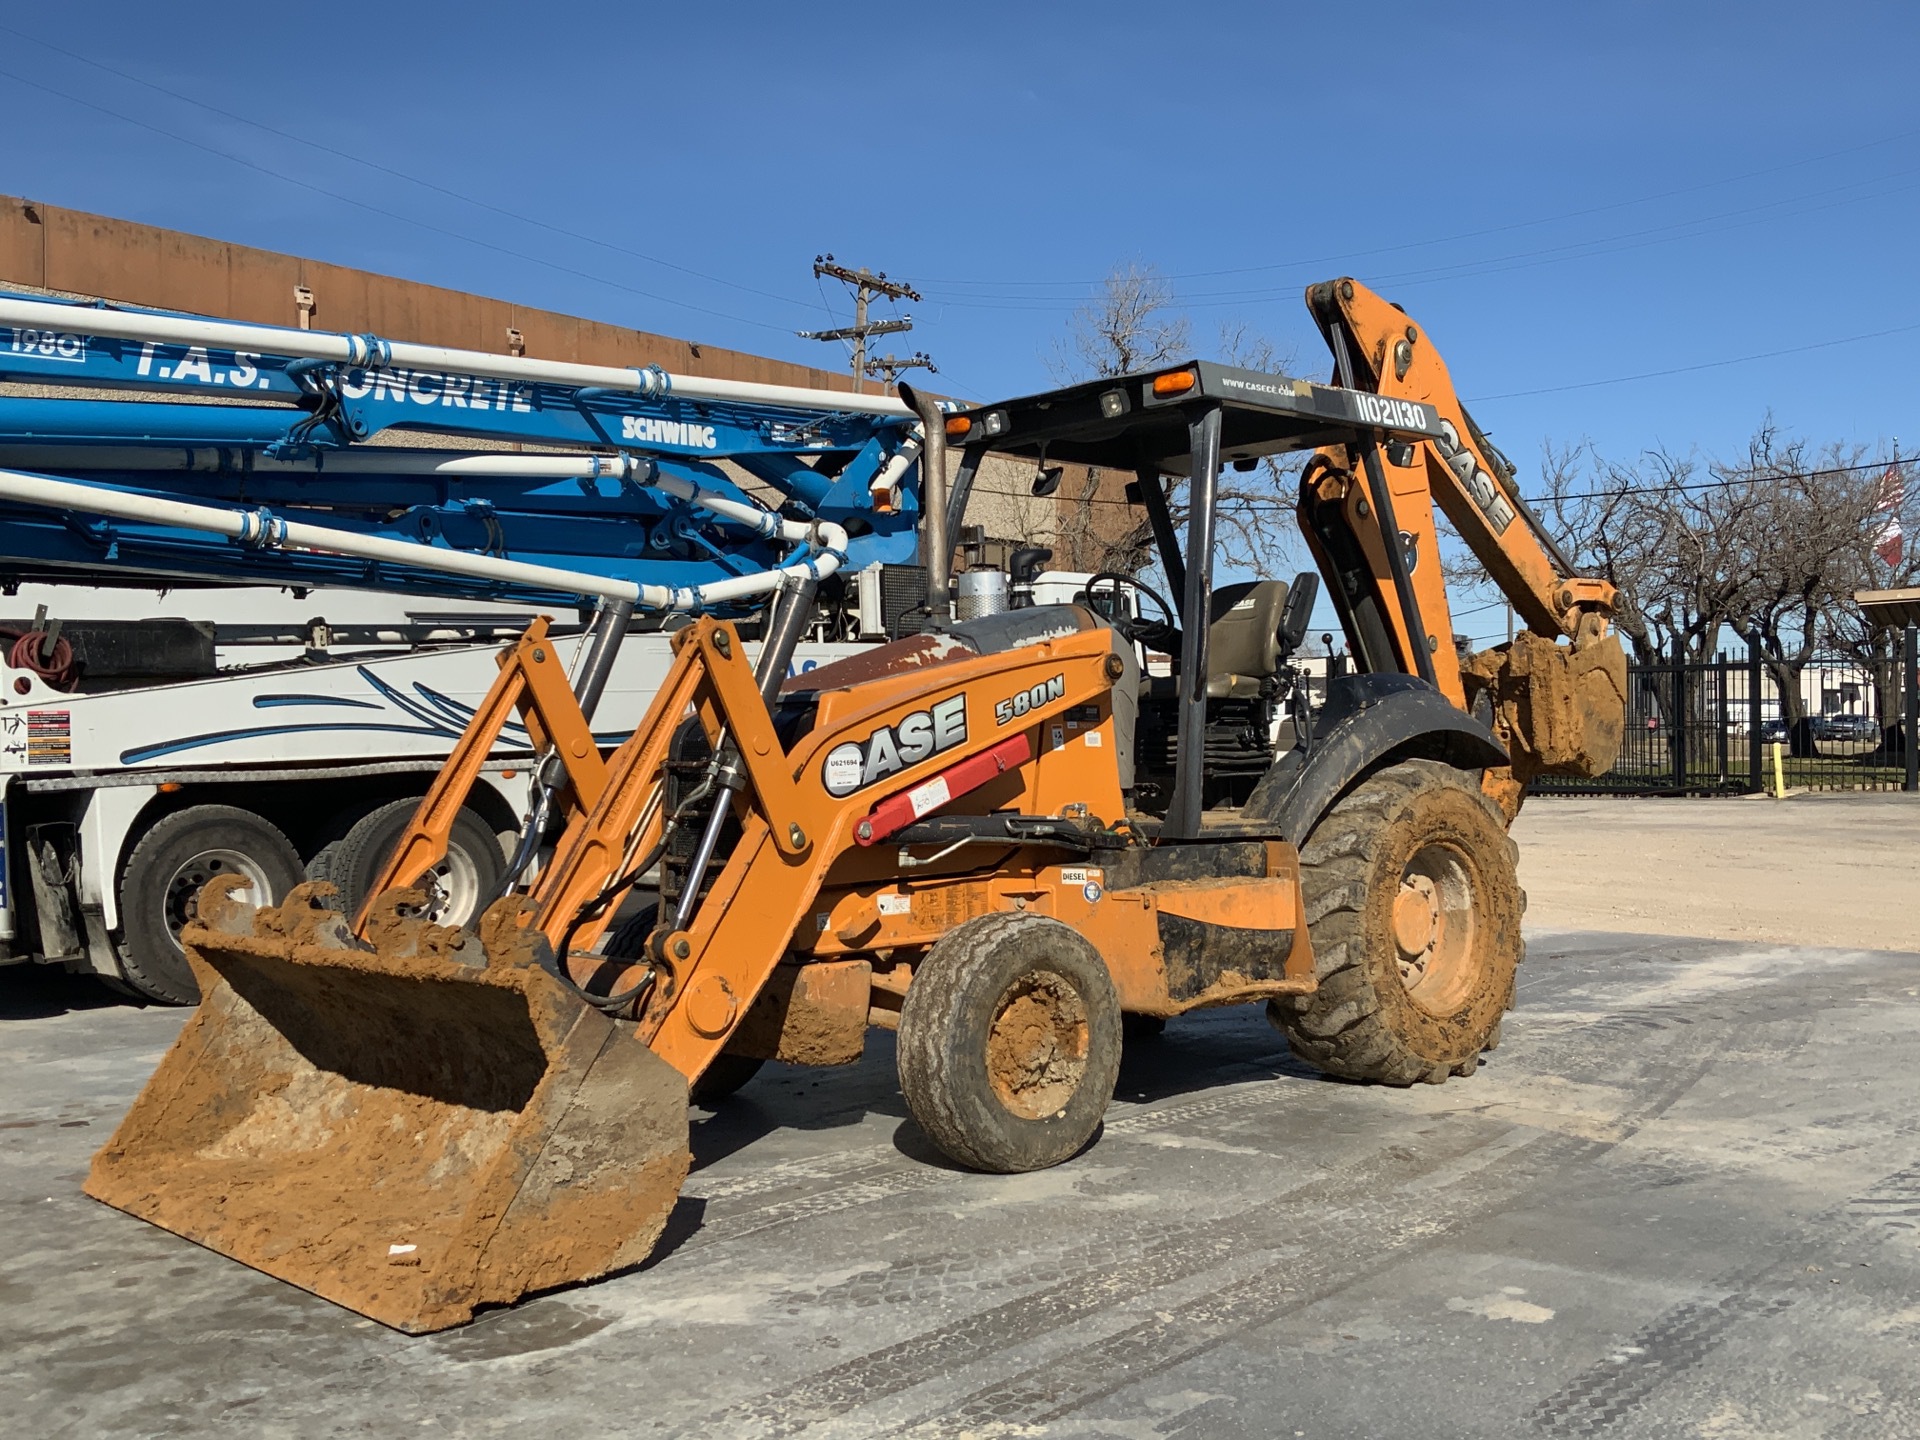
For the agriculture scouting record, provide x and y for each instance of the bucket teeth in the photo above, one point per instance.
(413, 1126)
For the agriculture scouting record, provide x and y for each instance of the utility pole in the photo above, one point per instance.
(892, 365)
(866, 284)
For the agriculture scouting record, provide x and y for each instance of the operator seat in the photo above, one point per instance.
(1243, 638)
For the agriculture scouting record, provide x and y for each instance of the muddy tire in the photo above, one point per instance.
(1009, 1043)
(1413, 906)
(467, 881)
(727, 1073)
(162, 880)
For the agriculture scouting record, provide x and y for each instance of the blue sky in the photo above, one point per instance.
(1560, 194)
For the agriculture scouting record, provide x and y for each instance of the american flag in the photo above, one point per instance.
(1889, 542)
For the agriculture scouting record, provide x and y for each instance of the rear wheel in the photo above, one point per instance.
(160, 888)
(465, 882)
(1009, 1043)
(1413, 906)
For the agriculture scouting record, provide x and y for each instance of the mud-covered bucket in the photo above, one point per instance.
(412, 1129)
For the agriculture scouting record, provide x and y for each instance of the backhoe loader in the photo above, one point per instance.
(995, 837)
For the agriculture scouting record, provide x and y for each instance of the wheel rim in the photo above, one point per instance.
(183, 888)
(453, 889)
(1434, 929)
(1037, 1045)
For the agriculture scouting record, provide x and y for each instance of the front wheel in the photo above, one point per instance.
(1413, 907)
(1009, 1043)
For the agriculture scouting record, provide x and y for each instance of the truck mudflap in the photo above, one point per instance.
(412, 1128)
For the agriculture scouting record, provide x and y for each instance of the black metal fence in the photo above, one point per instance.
(1734, 725)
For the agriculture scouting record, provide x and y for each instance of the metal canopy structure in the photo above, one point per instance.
(1890, 609)
(1130, 422)
(1191, 419)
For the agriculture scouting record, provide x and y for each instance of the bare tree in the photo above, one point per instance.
(1806, 530)
(1678, 550)
(1129, 326)
(1770, 546)
(1890, 493)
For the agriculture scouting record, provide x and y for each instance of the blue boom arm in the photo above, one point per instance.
(290, 436)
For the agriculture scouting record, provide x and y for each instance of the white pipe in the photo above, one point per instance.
(368, 350)
(263, 530)
(147, 459)
(888, 479)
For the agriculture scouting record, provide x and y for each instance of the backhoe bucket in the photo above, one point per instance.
(1562, 709)
(412, 1130)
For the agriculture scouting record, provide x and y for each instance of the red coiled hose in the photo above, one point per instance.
(23, 653)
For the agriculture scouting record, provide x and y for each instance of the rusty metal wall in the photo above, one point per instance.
(73, 252)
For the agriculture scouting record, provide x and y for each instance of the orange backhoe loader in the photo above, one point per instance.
(996, 837)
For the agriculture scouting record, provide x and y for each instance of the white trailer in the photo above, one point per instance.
(319, 719)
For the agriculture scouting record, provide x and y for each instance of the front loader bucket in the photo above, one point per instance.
(412, 1130)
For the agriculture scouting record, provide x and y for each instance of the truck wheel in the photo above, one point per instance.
(727, 1073)
(464, 884)
(1413, 907)
(1009, 1043)
(162, 881)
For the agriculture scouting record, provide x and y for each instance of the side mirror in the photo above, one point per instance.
(1297, 614)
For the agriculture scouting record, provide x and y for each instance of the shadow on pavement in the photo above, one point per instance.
(36, 992)
(1194, 1054)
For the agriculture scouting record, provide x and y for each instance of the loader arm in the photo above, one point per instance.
(1560, 708)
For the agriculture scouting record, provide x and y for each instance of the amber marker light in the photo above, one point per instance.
(1174, 382)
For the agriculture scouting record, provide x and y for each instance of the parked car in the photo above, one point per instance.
(1773, 732)
(1846, 727)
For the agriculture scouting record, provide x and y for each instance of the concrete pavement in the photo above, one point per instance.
(1682, 1199)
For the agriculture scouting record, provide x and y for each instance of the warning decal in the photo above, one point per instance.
(49, 737)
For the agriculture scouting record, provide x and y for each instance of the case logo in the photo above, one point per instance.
(857, 764)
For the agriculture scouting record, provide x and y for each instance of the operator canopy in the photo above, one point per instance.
(1132, 422)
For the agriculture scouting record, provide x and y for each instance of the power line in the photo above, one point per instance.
(411, 179)
(388, 214)
(1704, 365)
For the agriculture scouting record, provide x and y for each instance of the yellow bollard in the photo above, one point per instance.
(1779, 772)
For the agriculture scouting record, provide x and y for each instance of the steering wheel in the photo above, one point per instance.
(1162, 634)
